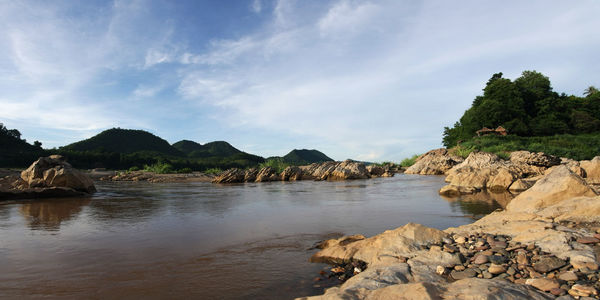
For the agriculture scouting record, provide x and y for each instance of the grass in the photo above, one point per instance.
(577, 147)
(409, 161)
(214, 171)
(276, 163)
(159, 168)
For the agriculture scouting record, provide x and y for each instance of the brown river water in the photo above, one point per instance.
(204, 241)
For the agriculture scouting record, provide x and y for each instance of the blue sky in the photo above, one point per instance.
(369, 80)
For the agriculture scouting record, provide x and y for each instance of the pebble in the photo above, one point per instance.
(583, 290)
(487, 275)
(450, 248)
(481, 259)
(568, 276)
(557, 291)
(440, 270)
(468, 273)
(459, 268)
(460, 239)
(522, 258)
(496, 269)
(511, 271)
(497, 259)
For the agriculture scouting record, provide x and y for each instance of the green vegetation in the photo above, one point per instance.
(407, 162)
(305, 157)
(160, 168)
(527, 107)
(213, 171)
(16, 152)
(578, 147)
(276, 163)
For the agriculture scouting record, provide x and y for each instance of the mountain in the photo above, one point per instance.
(305, 157)
(212, 149)
(124, 141)
(187, 146)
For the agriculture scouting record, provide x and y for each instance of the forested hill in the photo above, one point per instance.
(527, 107)
(14, 151)
(124, 141)
(304, 157)
(217, 148)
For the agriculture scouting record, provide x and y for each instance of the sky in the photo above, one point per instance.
(367, 80)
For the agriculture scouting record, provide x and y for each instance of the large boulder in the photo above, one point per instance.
(349, 169)
(267, 174)
(434, 162)
(250, 175)
(592, 170)
(53, 171)
(383, 249)
(560, 184)
(319, 171)
(291, 173)
(231, 176)
(534, 158)
(375, 171)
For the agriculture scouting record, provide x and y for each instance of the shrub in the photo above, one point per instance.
(213, 171)
(159, 168)
(276, 163)
(184, 170)
(134, 168)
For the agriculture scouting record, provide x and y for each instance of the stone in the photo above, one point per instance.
(497, 259)
(487, 275)
(375, 171)
(460, 239)
(440, 270)
(568, 276)
(542, 284)
(458, 275)
(434, 162)
(522, 258)
(496, 269)
(560, 184)
(588, 240)
(547, 264)
(250, 175)
(520, 185)
(480, 259)
(582, 290)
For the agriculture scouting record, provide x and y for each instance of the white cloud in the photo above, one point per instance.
(256, 6)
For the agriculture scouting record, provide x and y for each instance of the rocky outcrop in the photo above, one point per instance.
(54, 171)
(267, 174)
(375, 171)
(291, 173)
(546, 244)
(434, 162)
(349, 169)
(560, 184)
(592, 170)
(250, 175)
(47, 177)
(483, 170)
(231, 176)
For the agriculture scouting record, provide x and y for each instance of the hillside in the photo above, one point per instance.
(305, 157)
(187, 146)
(124, 141)
(16, 152)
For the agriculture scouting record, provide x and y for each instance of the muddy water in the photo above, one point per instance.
(203, 241)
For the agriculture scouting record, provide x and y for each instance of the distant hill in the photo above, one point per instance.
(16, 152)
(124, 141)
(304, 157)
(212, 149)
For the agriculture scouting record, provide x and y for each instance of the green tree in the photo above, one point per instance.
(591, 90)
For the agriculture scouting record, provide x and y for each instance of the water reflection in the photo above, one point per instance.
(49, 214)
(480, 204)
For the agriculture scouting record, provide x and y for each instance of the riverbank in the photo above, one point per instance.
(543, 245)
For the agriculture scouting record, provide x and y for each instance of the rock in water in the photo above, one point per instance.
(231, 176)
(54, 171)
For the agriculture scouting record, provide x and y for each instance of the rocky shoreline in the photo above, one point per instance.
(544, 245)
(330, 170)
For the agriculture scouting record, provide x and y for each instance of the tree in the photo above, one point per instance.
(591, 90)
(37, 144)
(533, 86)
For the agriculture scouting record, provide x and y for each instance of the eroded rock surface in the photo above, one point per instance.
(434, 162)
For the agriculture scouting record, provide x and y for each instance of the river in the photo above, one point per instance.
(205, 241)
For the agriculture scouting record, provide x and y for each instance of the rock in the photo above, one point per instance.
(497, 259)
(496, 269)
(434, 162)
(231, 176)
(588, 240)
(547, 264)
(319, 171)
(535, 159)
(520, 185)
(568, 276)
(468, 273)
(543, 284)
(375, 171)
(479, 289)
(440, 270)
(582, 209)
(582, 290)
(250, 175)
(592, 170)
(267, 174)
(480, 259)
(291, 173)
(460, 239)
(389, 247)
(54, 172)
(560, 184)
(349, 169)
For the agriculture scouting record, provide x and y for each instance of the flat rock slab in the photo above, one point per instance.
(547, 264)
